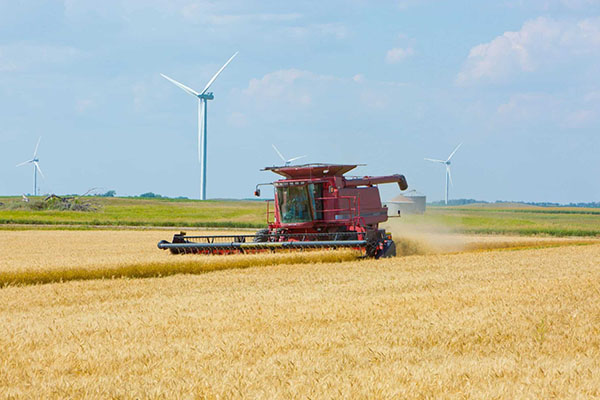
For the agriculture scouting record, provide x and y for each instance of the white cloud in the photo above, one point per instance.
(375, 99)
(527, 106)
(82, 105)
(237, 119)
(209, 14)
(540, 43)
(553, 4)
(289, 85)
(581, 117)
(23, 56)
(6, 63)
(239, 18)
(575, 4)
(398, 54)
(406, 4)
(121, 9)
(567, 109)
(335, 30)
(196, 11)
(358, 78)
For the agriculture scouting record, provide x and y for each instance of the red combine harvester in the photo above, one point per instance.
(315, 207)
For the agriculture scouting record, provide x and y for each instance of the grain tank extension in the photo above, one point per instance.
(315, 207)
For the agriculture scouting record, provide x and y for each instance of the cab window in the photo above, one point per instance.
(294, 203)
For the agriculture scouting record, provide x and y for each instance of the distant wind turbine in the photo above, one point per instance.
(287, 162)
(203, 97)
(447, 164)
(36, 167)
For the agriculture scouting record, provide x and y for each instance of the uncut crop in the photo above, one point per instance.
(30, 257)
(499, 324)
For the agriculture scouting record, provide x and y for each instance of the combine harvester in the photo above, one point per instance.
(315, 207)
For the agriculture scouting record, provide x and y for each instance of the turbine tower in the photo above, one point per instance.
(36, 167)
(447, 164)
(286, 162)
(203, 98)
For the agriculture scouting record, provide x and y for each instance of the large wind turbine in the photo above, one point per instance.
(447, 164)
(36, 166)
(203, 97)
(286, 161)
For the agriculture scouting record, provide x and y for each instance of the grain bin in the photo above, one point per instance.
(409, 203)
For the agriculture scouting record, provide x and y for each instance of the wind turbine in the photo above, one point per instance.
(287, 162)
(203, 98)
(36, 166)
(447, 164)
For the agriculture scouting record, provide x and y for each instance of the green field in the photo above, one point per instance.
(141, 212)
(132, 212)
(508, 219)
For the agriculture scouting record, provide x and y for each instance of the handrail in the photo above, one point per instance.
(354, 212)
(269, 212)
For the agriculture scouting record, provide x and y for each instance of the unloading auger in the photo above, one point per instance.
(315, 207)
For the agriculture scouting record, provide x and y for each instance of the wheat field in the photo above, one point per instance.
(494, 324)
(31, 257)
(103, 253)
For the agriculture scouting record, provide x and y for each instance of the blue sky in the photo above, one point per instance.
(382, 83)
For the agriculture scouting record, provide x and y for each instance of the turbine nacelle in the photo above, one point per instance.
(206, 96)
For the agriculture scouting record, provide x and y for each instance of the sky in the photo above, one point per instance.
(383, 83)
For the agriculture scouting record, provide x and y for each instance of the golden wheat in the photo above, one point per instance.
(59, 256)
(511, 324)
(30, 257)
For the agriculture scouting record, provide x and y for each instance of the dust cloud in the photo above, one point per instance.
(416, 236)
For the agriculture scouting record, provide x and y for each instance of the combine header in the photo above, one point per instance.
(315, 207)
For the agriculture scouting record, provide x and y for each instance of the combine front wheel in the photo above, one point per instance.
(389, 249)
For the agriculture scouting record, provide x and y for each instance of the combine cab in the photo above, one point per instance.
(315, 207)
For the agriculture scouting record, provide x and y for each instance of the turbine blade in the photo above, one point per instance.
(181, 86)
(449, 174)
(36, 147)
(278, 152)
(457, 147)
(218, 72)
(39, 170)
(433, 160)
(25, 162)
(295, 158)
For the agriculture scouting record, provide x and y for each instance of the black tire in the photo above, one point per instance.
(371, 250)
(389, 250)
(262, 236)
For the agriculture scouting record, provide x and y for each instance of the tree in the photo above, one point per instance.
(150, 195)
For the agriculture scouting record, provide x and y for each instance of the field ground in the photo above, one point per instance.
(494, 324)
(461, 314)
(507, 219)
